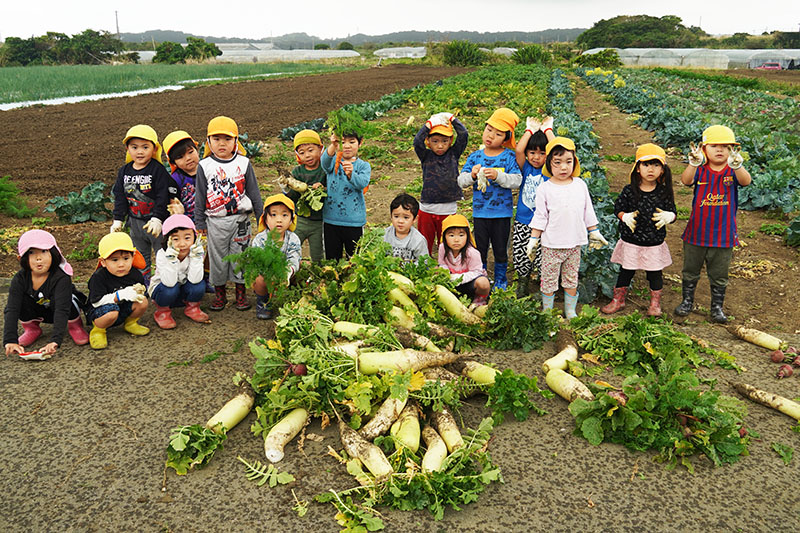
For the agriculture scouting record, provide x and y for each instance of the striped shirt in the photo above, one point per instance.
(712, 222)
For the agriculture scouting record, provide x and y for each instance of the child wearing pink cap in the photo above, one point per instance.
(179, 272)
(42, 291)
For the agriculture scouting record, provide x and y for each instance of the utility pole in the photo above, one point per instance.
(116, 17)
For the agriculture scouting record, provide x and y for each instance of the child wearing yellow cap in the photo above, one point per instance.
(142, 191)
(183, 159)
(493, 172)
(715, 171)
(308, 151)
(644, 208)
(457, 253)
(227, 194)
(278, 217)
(117, 292)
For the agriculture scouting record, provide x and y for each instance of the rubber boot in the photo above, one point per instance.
(30, 332)
(263, 309)
(717, 298)
(617, 303)
(133, 327)
(194, 312)
(570, 303)
(547, 301)
(220, 298)
(522, 286)
(76, 331)
(686, 306)
(655, 303)
(480, 299)
(163, 317)
(500, 281)
(241, 298)
(97, 338)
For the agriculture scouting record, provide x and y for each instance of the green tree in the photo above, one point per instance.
(199, 49)
(639, 31)
(322, 46)
(463, 54)
(344, 45)
(532, 55)
(18, 52)
(170, 53)
(783, 39)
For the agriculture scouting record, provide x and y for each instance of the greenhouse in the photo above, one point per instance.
(704, 57)
(402, 52)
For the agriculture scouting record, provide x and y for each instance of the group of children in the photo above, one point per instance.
(202, 213)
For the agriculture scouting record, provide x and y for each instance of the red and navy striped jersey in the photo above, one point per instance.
(712, 222)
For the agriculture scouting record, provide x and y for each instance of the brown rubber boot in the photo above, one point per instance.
(616, 303)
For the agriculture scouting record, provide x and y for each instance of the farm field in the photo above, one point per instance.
(85, 450)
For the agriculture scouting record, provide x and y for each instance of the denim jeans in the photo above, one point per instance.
(174, 296)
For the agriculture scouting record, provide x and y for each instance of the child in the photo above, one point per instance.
(178, 278)
(142, 192)
(407, 242)
(530, 155)
(458, 254)
(715, 170)
(227, 192)
(278, 216)
(308, 150)
(42, 291)
(644, 208)
(345, 212)
(116, 289)
(439, 156)
(493, 172)
(563, 213)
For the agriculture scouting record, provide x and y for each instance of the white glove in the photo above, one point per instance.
(696, 155)
(197, 251)
(547, 124)
(662, 218)
(171, 253)
(116, 226)
(153, 226)
(532, 125)
(735, 159)
(630, 219)
(130, 294)
(596, 239)
(175, 207)
(533, 244)
(439, 119)
(483, 181)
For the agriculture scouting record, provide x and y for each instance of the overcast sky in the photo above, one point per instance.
(339, 19)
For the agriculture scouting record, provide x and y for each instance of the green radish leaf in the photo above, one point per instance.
(784, 451)
(592, 430)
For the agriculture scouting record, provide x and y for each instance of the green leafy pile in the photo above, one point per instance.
(192, 446)
(311, 200)
(510, 394)
(267, 261)
(513, 323)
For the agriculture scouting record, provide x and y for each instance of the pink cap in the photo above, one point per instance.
(177, 221)
(38, 238)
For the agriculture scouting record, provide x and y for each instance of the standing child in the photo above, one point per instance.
(644, 208)
(345, 212)
(493, 172)
(458, 254)
(227, 193)
(530, 153)
(715, 170)
(439, 155)
(178, 278)
(564, 213)
(278, 216)
(406, 241)
(142, 191)
(116, 289)
(42, 291)
(308, 150)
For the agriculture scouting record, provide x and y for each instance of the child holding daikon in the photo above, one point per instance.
(42, 291)
(439, 153)
(406, 241)
(178, 278)
(117, 293)
(564, 213)
(227, 193)
(308, 174)
(458, 254)
(715, 170)
(530, 154)
(644, 208)
(492, 172)
(278, 220)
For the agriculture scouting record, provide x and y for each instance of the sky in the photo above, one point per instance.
(329, 20)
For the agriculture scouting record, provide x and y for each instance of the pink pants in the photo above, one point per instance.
(563, 261)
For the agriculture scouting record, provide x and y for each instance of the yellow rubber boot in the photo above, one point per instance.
(133, 327)
(97, 338)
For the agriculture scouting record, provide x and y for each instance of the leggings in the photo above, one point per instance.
(653, 277)
(340, 239)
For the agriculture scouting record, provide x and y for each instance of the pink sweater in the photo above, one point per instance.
(471, 269)
(563, 212)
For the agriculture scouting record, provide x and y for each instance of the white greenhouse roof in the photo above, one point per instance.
(402, 52)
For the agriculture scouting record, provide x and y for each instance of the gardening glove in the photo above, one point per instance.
(547, 124)
(153, 227)
(439, 119)
(130, 294)
(630, 219)
(662, 218)
(532, 125)
(483, 182)
(171, 254)
(735, 159)
(175, 207)
(197, 251)
(35, 356)
(596, 239)
(116, 226)
(696, 155)
(533, 244)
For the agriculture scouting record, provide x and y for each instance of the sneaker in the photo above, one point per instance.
(263, 309)
(241, 298)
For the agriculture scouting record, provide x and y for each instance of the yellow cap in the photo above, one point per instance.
(306, 137)
(564, 143)
(223, 126)
(457, 221)
(504, 119)
(719, 135)
(647, 152)
(442, 129)
(277, 199)
(114, 242)
(143, 131)
(174, 138)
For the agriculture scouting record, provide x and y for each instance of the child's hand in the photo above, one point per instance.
(490, 173)
(630, 220)
(202, 232)
(596, 239)
(532, 125)
(547, 124)
(197, 251)
(12, 348)
(116, 226)
(347, 166)
(49, 348)
(175, 207)
(334, 139)
(735, 159)
(130, 294)
(482, 181)
(530, 249)
(662, 218)
(696, 155)
(317, 185)
(153, 226)
(171, 253)
(475, 171)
